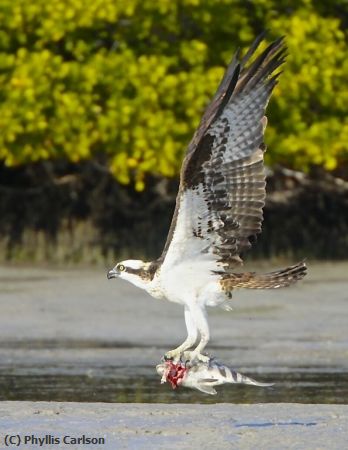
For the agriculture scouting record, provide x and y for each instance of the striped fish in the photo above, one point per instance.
(202, 376)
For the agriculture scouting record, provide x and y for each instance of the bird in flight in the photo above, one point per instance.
(219, 203)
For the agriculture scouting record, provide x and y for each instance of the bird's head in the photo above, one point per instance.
(133, 270)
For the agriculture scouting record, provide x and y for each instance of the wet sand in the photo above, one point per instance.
(144, 426)
(63, 315)
(73, 319)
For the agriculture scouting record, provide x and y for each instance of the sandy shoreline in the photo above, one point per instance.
(144, 426)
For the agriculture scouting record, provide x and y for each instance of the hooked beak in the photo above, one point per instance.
(112, 274)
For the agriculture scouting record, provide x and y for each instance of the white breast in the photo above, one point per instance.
(188, 282)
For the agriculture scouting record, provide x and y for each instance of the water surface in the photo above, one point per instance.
(142, 385)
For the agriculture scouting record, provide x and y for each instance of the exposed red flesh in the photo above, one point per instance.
(175, 373)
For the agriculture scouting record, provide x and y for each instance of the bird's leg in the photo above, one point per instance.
(200, 316)
(191, 339)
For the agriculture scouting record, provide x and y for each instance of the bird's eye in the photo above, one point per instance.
(121, 267)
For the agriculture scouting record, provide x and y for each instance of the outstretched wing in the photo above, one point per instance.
(222, 186)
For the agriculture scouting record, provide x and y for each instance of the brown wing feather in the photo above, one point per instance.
(272, 280)
(223, 172)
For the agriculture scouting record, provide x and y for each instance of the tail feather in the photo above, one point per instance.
(271, 280)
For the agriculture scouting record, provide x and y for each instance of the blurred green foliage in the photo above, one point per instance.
(129, 79)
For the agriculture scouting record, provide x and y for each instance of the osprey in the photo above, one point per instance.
(219, 203)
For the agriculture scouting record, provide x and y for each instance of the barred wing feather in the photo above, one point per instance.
(222, 186)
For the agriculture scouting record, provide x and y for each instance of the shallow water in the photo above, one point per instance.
(70, 335)
(109, 384)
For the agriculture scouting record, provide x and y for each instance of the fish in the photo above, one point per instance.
(202, 376)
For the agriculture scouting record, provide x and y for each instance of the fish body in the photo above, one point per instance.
(203, 376)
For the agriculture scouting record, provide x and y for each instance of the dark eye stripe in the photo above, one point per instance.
(132, 271)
